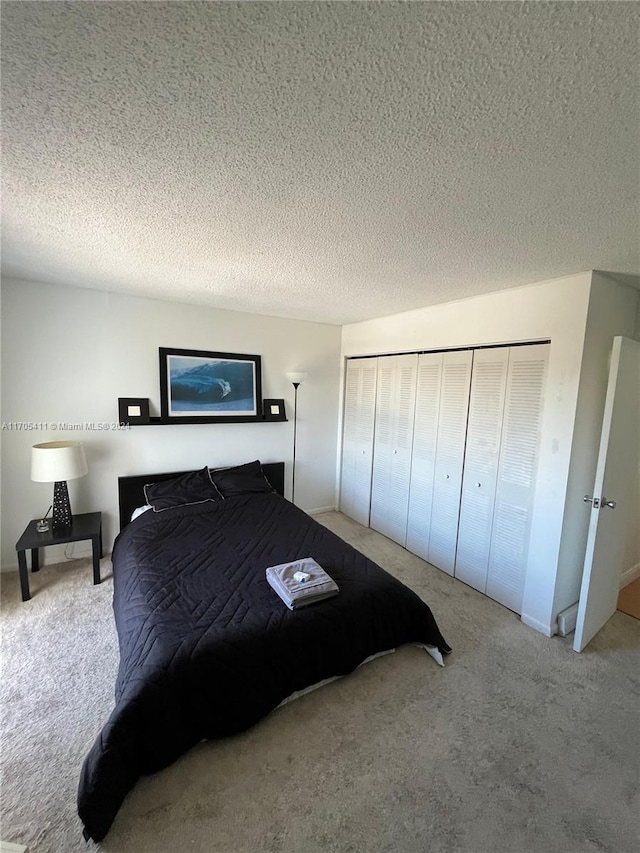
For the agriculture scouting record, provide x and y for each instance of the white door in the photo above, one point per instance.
(452, 431)
(423, 458)
(484, 433)
(395, 403)
(357, 444)
(617, 467)
(517, 472)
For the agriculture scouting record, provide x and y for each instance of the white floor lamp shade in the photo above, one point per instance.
(296, 378)
(56, 462)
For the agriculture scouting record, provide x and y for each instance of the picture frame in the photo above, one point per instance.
(202, 386)
(274, 410)
(133, 410)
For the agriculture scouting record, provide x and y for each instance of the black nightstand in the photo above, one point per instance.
(85, 526)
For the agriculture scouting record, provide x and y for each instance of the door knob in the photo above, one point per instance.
(446, 476)
(594, 501)
(611, 504)
(478, 485)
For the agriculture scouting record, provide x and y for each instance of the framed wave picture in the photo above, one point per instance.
(197, 386)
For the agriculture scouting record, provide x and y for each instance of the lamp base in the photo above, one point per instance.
(62, 518)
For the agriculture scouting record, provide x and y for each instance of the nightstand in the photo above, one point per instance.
(87, 525)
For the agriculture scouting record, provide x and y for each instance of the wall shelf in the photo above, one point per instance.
(134, 411)
(154, 421)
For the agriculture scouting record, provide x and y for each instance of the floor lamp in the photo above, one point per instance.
(295, 379)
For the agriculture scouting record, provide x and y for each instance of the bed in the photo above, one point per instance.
(206, 647)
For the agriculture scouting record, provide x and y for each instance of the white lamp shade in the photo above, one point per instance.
(296, 378)
(56, 461)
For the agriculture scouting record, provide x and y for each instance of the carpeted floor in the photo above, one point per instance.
(518, 745)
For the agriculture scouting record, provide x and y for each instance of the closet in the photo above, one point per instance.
(449, 466)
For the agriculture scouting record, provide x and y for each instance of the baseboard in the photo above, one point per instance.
(320, 509)
(630, 575)
(9, 847)
(541, 627)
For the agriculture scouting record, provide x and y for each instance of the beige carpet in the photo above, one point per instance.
(518, 745)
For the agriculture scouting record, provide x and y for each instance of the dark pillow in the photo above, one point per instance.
(241, 479)
(194, 487)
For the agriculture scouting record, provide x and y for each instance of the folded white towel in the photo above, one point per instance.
(295, 593)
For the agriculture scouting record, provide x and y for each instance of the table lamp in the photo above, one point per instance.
(56, 462)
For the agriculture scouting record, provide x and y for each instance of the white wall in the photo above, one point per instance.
(555, 310)
(612, 310)
(69, 353)
(631, 565)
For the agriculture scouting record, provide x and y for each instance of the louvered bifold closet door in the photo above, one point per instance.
(484, 430)
(357, 441)
(517, 469)
(423, 458)
(395, 403)
(452, 429)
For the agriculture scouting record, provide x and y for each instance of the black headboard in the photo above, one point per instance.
(131, 489)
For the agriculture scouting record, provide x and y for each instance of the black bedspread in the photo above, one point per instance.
(207, 648)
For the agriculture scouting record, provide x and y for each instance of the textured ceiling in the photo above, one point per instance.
(327, 161)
